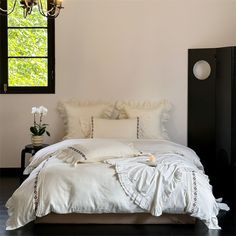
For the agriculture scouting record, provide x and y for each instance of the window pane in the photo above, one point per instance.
(27, 72)
(27, 42)
(33, 20)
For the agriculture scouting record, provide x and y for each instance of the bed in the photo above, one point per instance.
(116, 165)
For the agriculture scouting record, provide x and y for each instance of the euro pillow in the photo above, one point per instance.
(120, 129)
(152, 117)
(76, 116)
(95, 150)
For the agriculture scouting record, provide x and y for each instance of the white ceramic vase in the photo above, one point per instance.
(37, 140)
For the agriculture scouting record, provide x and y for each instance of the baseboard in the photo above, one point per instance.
(10, 172)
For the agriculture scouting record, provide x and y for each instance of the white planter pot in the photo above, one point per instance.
(37, 141)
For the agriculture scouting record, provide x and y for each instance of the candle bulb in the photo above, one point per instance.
(58, 2)
(152, 159)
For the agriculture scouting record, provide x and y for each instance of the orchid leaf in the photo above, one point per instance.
(42, 131)
(34, 130)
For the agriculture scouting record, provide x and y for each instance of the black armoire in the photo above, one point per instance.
(212, 114)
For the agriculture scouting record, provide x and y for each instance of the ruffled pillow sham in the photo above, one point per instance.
(77, 115)
(152, 117)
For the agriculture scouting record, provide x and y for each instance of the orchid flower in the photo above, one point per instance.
(39, 128)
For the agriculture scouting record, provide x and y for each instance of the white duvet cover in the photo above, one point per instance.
(175, 184)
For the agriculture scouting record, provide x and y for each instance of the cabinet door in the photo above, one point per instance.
(201, 106)
(224, 101)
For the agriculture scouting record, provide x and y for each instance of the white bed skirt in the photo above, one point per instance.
(115, 218)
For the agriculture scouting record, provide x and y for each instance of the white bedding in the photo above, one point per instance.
(170, 186)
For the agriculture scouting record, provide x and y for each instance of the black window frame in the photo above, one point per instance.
(4, 88)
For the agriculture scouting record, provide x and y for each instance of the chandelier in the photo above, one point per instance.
(54, 8)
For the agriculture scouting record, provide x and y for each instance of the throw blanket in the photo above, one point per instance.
(151, 187)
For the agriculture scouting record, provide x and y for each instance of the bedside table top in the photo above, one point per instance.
(31, 147)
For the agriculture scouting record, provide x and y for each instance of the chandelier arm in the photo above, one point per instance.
(55, 15)
(40, 8)
(48, 14)
(27, 9)
(51, 10)
(5, 11)
(51, 16)
(26, 3)
(30, 10)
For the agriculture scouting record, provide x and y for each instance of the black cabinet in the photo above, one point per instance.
(212, 113)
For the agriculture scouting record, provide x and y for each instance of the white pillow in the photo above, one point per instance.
(123, 129)
(95, 150)
(152, 117)
(77, 115)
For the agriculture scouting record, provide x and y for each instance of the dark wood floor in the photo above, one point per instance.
(9, 184)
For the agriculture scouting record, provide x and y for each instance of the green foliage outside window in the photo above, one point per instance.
(27, 71)
(27, 42)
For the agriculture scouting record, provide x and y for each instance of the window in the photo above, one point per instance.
(27, 52)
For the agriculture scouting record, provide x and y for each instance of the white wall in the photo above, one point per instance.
(121, 49)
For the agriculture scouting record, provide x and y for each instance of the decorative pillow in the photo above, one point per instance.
(77, 115)
(95, 150)
(125, 128)
(152, 117)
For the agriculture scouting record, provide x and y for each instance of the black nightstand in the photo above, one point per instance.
(29, 149)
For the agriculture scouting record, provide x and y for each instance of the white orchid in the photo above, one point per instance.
(39, 128)
(43, 110)
(35, 110)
